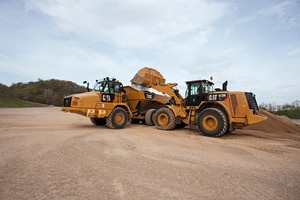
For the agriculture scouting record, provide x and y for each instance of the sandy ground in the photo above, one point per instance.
(48, 154)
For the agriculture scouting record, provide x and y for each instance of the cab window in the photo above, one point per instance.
(100, 86)
(103, 86)
(117, 87)
(193, 89)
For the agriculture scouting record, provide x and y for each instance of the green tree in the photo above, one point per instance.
(4, 90)
(49, 92)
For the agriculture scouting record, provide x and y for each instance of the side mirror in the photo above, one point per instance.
(87, 85)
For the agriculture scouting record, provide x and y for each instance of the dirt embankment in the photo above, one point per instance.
(275, 124)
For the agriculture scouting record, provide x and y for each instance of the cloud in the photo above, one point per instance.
(234, 50)
(287, 12)
(294, 52)
(62, 60)
(131, 23)
(283, 13)
(279, 9)
(136, 33)
(185, 40)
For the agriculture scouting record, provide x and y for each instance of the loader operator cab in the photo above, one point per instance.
(197, 91)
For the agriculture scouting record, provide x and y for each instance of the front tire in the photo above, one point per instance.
(164, 119)
(117, 119)
(212, 122)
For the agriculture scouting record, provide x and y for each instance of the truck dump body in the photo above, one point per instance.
(141, 101)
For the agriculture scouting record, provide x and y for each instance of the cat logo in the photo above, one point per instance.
(213, 97)
(149, 96)
(217, 97)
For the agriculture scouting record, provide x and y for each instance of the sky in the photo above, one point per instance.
(253, 44)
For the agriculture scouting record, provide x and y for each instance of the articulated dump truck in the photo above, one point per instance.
(214, 111)
(112, 104)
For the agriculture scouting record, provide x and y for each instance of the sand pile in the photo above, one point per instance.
(275, 124)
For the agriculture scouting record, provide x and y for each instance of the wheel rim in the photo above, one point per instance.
(210, 122)
(120, 118)
(163, 119)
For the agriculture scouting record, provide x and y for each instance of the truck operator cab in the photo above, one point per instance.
(109, 88)
(108, 85)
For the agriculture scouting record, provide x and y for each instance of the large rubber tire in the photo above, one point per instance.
(164, 119)
(98, 121)
(117, 119)
(149, 117)
(212, 122)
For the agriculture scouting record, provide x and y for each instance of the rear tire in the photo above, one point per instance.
(164, 119)
(212, 122)
(98, 121)
(149, 117)
(117, 119)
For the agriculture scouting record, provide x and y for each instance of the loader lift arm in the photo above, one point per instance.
(151, 78)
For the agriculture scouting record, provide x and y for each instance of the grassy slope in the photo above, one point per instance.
(292, 114)
(7, 102)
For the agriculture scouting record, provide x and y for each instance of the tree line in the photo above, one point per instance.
(291, 110)
(50, 92)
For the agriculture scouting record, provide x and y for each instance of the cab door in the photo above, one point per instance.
(118, 88)
(193, 95)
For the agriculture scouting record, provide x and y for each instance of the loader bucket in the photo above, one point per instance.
(147, 77)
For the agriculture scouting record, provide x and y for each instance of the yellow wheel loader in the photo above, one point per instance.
(215, 112)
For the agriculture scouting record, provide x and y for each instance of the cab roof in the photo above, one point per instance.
(200, 81)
